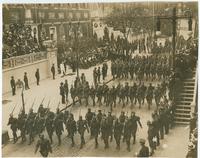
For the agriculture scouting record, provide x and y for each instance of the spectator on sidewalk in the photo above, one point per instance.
(26, 81)
(13, 85)
(62, 92)
(37, 76)
(53, 71)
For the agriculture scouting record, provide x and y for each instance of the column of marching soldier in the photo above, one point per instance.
(107, 125)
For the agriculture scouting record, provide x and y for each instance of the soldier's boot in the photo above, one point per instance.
(128, 147)
(134, 139)
(72, 145)
(96, 143)
(59, 140)
(111, 138)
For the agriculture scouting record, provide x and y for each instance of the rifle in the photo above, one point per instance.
(58, 105)
(48, 104)
(13, 109)
(33, 104)
(42, 100)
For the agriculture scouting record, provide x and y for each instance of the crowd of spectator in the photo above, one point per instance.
(18, 40)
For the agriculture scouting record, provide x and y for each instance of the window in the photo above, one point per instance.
(41, 15)
(61, 15)
(70, 15)
(78, 15)
(85, 15)
(51, 15)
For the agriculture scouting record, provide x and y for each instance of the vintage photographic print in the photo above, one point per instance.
(100, 79)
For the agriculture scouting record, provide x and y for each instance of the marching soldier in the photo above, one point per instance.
(71, 126)
(122, 117)
(99, 116)
(30, 125)
(49, 124)
(95, 76)
(21, 125)
(132, 93)
(92, 94)
(151, 134)
(156, 127)
(81, 127)
(98, 74)
(110, 120)
(118, 130)
(104, 70)
(95, 130)
(58, 124)
(127, 133)
(149, 96)
(105, 131)
(135, 120)
(44, 145)
(13, 125)
(89, 115)
(66, 89)
(73, 93)
(99, 94)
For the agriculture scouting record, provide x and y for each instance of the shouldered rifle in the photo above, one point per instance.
(48, 104)
(13, 109)
(33, 104)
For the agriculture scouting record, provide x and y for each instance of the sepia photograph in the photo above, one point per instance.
(115, 79)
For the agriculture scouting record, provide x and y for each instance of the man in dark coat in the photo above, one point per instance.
(95, 130)
(53, 71)
(81, 127)
(13, 125)
(118, 130)
(26, 81)
(62, 92)
(13, 85)
(37, 76)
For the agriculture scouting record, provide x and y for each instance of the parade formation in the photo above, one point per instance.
(127, 86)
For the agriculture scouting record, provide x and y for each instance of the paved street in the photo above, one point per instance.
(50, 89)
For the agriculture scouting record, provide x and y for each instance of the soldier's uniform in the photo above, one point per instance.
(58, 125)
(13, 125)
(49, 124)
(73, 94)
(151, 135)
(62, 92)
(95, 130)
(30, 125)
(89, 115)
(132, 93)
(92, 95)
(105, 131)
(127, 133)
(134, 120)
(110, 120)
(81, 127)
(21, 125)
(99, 95)
(71, 125)
(118, 129)
(149, 95)
(99, 116)
(66, 89)
(122, 117)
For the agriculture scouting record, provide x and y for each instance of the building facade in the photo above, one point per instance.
(55, 20)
